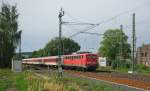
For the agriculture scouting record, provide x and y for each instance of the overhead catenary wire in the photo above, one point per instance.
(86, 29)
(97, 34)
(107, 20)
(140, 23)
(76, 23)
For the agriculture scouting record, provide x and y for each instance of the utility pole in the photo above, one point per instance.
(121, 42)
(133, 43)
(61, 13)
(20, 54)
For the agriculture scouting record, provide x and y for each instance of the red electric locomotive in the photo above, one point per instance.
(83, 61)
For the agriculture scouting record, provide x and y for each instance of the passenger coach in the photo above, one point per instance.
(84, 61)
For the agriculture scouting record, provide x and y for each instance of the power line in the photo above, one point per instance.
(86, 29)
(97, 34)
(77, 23)
(105, 21)
(143, 22)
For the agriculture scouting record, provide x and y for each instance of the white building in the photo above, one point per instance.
(102, 61)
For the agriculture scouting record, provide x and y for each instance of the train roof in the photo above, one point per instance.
(80, 54)
(74, 54)
(41, 58)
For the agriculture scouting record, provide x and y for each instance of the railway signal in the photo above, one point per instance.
(61, 13)
(60, 59)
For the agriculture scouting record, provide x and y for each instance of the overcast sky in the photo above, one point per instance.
(39, 20)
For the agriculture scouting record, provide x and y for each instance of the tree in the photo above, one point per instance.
(39, 53)
(9, 34)
(111, 45)
(52, 47)
(68, 46)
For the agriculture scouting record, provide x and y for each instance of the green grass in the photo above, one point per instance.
(6, 79)
(21, 83)
(28, 81)
(9, 79)
(89, 85)
(104, 69)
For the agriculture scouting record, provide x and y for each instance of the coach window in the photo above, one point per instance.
(69, 57)
(82, 56)
(79, 57)
(73, 57)
(87, 56)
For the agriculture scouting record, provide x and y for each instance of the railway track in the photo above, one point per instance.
(137, 81)
(141, 82)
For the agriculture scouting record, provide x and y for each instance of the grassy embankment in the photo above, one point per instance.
(28, 81)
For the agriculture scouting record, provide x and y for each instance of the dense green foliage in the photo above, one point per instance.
(38, 53)
(52, 47)
(120, 64)
(115, 41)
(9, 36)
(140, 68)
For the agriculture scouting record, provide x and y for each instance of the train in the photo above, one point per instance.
(85, 61)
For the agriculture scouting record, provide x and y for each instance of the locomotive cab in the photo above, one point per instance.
(91, 61)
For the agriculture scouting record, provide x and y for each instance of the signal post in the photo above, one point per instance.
(61, 13)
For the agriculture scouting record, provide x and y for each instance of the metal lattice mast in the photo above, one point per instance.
(133, 43)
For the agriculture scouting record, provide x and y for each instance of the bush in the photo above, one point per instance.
(142, 68)
(120, 64)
